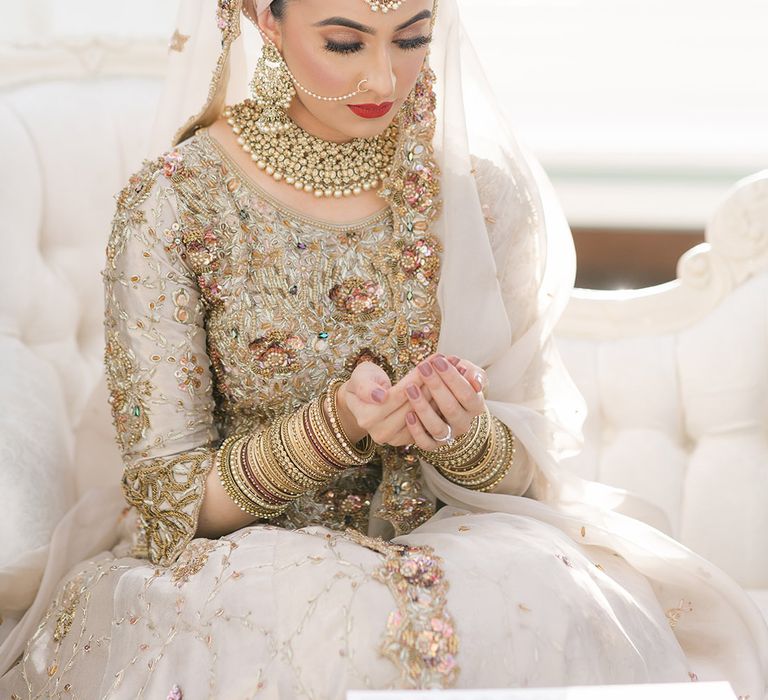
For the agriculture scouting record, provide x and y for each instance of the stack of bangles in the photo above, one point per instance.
(479, 459)
(264, 471)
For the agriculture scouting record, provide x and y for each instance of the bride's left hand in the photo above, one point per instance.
(456, 387)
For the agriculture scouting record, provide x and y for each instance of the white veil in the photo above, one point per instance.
(502, 290)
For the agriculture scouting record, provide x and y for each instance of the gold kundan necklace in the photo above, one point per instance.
(310, 163)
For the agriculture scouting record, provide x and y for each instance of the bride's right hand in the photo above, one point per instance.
(368, 404)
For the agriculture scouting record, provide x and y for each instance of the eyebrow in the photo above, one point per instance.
(344, 22)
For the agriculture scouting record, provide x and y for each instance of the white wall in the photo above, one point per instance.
(641, 111)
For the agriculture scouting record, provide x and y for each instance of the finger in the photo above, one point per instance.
(467, 396)
(433, 423)
(454, 412)
(381, 423)
(418, 433)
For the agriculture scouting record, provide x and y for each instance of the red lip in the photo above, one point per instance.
(370, 111)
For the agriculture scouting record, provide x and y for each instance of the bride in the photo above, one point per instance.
(329, 316)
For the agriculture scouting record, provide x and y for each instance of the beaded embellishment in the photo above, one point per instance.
(384, 6)
(420, 638)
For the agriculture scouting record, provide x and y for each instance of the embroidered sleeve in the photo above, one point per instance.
(509, 216)
(157, 367)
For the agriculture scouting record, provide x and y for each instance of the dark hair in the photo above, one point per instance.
(278, 8)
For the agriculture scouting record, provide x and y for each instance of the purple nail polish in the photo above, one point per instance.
(425, 369)
(378, 395)
(410, 417)
(413, 391)
(440, 363)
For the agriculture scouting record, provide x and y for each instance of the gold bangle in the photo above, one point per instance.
(468, 452)
(324, 434)
(307, 459)
(224, 465)
(360, 455)
(256, 489)
(498, 461)
(315, 438)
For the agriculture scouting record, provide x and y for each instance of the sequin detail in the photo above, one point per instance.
(420, 638)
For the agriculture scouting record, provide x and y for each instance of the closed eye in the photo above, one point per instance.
(354, 47)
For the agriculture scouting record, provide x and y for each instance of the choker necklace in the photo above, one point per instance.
(310, 163)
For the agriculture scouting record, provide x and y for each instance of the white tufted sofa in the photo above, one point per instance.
(675, 376)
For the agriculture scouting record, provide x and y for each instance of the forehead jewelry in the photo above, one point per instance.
(384, 5)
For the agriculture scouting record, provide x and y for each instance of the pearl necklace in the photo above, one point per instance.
(312, 164)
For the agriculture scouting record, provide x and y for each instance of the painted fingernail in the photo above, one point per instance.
(411, 417)
(378, 395)
(479, 378)
(454, 360)
(425, 369)
(440, 363)
(462, 370)
(413, 391)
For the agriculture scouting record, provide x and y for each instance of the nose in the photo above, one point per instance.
(381, 78)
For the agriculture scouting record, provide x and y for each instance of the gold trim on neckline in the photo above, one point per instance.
(260, 192)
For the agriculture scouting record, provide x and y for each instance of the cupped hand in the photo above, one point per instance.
(455, 397)
(370, 405)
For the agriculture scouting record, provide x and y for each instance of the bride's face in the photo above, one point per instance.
(331, 45)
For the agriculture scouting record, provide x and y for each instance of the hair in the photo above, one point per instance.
(278, 8)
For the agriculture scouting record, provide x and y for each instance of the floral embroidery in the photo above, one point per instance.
(419, 259)
(420, 639)
(420, 188)
(192, 560)
(189, 373)
(357, 299)
(129, 391)
(275, 352)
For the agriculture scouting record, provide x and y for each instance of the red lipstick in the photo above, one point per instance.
(370, 111)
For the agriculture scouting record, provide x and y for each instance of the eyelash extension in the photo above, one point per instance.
(406, 44)
(415, 43)
(343, 48)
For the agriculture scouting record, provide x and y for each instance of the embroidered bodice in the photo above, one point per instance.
(225, 309)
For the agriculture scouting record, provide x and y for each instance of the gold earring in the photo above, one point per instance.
(272, 88)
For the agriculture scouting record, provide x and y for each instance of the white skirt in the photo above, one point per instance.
(467, 600)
